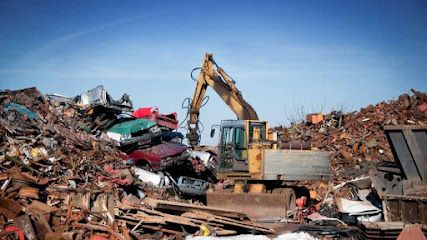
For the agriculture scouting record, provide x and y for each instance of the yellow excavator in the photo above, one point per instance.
(248, 154)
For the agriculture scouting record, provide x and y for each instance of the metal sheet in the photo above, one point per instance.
(406, 209)
(403, 155)
(384, 230)
(386, 183)
(256, 205)
(132, 126)
(416, 153)
(409, 146)
(296, 165)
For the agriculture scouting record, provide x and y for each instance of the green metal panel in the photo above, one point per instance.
(132, 126)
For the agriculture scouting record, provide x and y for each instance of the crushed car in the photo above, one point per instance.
(160, 156)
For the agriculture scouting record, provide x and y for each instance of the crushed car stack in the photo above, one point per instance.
(62, 177)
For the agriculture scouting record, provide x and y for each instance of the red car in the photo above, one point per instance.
(160, 156)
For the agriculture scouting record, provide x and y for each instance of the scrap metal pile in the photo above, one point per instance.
(378, 164)
(80, 168)
(386, 202)
(357, 136)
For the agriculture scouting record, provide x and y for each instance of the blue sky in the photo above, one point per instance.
(282, 54)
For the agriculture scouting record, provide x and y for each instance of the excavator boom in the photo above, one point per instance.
(214, 76)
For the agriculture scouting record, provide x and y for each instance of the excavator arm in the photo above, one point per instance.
(214, 76)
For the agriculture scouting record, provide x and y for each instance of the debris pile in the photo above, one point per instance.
(387, 200)
(356, 136)
(62, 177)
(90, 167)
(378, 186)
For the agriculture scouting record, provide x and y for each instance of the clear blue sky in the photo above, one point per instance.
(283, 54)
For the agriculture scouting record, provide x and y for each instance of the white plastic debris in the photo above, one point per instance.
(296, 236)
(203, 156)
(370, 218)
(356, 207)
(157, 179)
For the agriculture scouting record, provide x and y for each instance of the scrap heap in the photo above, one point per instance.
(62, 177)
(379, 180)
(355, 138)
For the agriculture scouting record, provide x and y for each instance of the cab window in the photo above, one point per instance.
(227, 136)
(261, 128)
(240, 138)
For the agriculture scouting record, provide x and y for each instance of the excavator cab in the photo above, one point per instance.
(237, 137)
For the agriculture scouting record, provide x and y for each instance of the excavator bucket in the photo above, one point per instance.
(256, 205)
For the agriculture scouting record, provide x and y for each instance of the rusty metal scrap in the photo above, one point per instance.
(356, 136)
(62, 175)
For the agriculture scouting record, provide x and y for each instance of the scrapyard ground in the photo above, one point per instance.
(79, 168)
